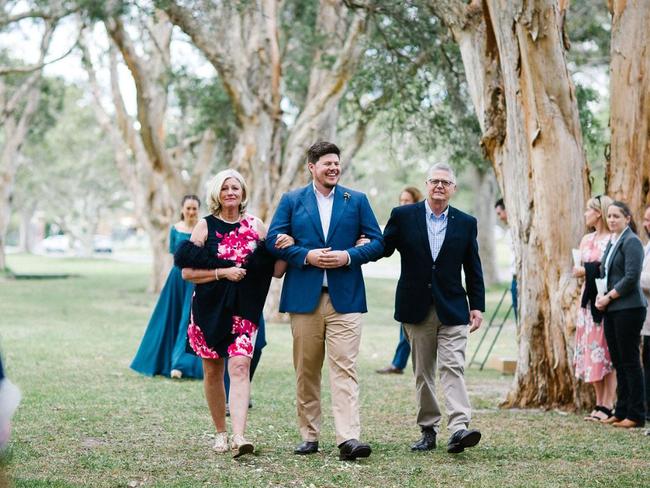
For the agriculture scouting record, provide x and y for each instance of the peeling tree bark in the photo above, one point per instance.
(514, 57)
(628, 169)
(242, 43)
(150, 170)
(15, 126)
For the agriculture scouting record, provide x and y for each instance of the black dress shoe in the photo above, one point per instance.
(461, 439)
(306, 447)
(352, 449)
(427, 442)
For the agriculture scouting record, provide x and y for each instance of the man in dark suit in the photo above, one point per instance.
(324, 292)
(435, 242)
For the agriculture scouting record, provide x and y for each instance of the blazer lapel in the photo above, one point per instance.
(614, 249)
(451, 228)
(421, 224)
(309, 202)
(338, 208)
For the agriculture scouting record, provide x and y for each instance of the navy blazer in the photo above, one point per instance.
(297, 215)
(423, 280)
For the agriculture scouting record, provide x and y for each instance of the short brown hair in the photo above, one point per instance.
(414, 192)
(320, 149)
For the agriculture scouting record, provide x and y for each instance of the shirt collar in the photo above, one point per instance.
(443, 215)
(319, 194)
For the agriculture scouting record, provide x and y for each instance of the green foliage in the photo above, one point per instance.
(593, 133)
(411, 81)
(99, 10)
(69, 175)
(300, 39)
(588, 24)
(203, 104)
(49, 108)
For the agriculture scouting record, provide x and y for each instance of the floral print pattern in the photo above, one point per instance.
(591, 358)
(197, 341)
(236, 246)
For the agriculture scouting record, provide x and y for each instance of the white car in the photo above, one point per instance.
(59, 244)
(102, 243)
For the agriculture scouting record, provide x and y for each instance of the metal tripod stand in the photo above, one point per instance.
(473, 360)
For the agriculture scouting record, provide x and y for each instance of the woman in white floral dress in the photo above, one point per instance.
(591, 359)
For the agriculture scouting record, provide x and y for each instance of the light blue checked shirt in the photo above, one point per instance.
(436, 229)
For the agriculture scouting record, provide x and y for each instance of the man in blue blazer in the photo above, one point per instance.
(436, 242)
(324, 293)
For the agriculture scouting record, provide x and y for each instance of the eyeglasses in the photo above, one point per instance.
(444, 183)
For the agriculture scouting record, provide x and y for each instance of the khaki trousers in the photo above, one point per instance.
(338, 334)
(434, 344)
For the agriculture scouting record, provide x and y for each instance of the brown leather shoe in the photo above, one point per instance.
(611, 420)
(390, 370)
(627, 424)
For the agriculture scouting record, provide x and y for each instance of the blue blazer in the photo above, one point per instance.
(423, 280)
(297, 215)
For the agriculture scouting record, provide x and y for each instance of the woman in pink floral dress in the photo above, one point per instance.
(228, 301)
(591, 359)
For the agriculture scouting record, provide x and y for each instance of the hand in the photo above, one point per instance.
(475, 320)
(362, 241)
(602, 301)
(578, 271)
(334, 259)
(283, 241)
(232, 274)
(314, 256)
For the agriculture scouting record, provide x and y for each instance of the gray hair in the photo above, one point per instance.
(442, 167)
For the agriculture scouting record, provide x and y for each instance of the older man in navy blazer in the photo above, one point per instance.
(436, 241)
(324, 293)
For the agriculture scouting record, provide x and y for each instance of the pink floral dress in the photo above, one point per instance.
(214, 331)
(591, 358)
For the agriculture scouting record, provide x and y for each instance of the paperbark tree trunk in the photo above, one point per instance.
(514, 58)
(242, 43)
(150, 170)
(628, 169)
(15, 125)
(485, 191)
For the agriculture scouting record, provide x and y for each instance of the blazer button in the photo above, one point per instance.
(433, 267)
(428, 285)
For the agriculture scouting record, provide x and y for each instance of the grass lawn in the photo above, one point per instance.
(87, 420)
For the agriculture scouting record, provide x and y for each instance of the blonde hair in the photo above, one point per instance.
(214, 189)
(600, 203)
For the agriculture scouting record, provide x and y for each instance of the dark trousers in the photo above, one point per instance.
(257, 354)
(403, 350)
(622, 331)
(645, 356)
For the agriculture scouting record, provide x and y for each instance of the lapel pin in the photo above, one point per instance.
(346, 196)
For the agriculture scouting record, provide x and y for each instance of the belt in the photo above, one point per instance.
(324, 289)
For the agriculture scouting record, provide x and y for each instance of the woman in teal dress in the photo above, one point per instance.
(162, 350)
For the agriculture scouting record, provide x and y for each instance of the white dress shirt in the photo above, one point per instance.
(325, 204)
(436, 229)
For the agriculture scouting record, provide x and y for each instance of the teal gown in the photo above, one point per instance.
(163, 344)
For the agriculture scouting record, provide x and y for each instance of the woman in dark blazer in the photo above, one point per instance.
(625, 308)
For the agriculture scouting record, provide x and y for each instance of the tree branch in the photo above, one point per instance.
(149, 116)
(5, 70)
